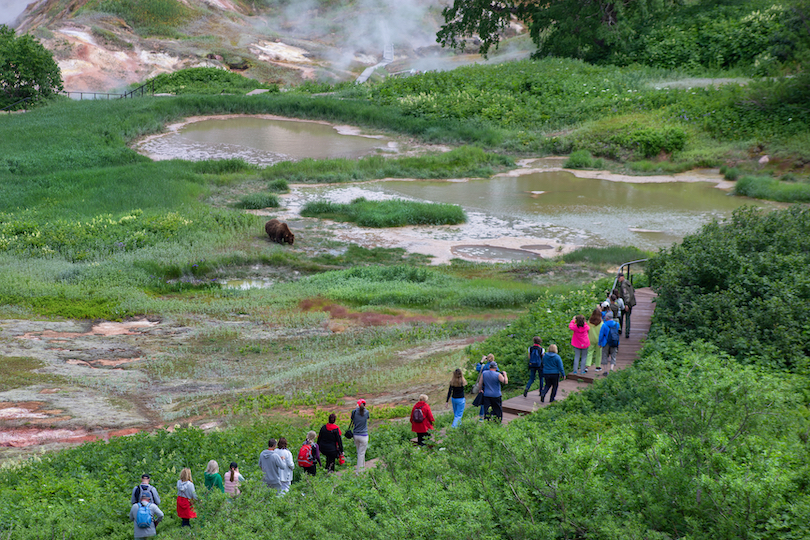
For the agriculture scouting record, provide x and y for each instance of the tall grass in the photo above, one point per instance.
(604, 256)
(461, 162)
(765, 187)
(393, 213)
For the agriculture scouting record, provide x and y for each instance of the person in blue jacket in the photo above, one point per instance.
(553, 372)
(609, 350)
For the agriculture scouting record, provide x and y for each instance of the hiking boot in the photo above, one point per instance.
(598, 369)
(542, 398)
(585, 370)
(525, 391)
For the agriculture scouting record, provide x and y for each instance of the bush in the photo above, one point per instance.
(257, 201)
(581, 159)
(756, 259)
(278, 185)
(766, 187)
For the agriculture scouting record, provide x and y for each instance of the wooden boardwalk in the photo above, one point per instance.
(628, 349)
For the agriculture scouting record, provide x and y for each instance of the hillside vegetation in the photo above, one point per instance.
(689, 443)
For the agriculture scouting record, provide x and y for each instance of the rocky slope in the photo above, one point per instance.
(104, 45)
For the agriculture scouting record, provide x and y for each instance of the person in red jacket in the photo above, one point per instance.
(422, 421)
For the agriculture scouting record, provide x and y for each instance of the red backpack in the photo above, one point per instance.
(305, 456)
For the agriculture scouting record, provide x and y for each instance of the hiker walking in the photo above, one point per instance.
(609, 340)
(269, 464)
(212, 477)
(285, 466)
(456, 393)
(481, 367)
(421, 419)
(144, 486)
(233, 479)
(595, 351)
(309, 455)
(491, 381)
(146, 515)
(553, 372)
(628, 294)
(330, 442)
(360, 418)
(580, 342)
(536, 353)
(186, 495)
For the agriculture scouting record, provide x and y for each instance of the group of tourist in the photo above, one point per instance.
(145, 500)
(595, 341)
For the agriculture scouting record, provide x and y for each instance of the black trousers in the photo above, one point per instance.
(552, 380)
(495, 404)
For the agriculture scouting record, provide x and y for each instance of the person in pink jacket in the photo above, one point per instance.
(580, 342)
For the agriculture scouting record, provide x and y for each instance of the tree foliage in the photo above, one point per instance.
(742, 285)
(661, 33)
(27, 69)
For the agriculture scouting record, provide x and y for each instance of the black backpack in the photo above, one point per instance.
(535, 356)
(418, 415)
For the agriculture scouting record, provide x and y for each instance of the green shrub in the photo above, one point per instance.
(581, 159)
(613, 255)
(257, 201)
(731, 174)
(757, 259)
(205, 80)
(279, 185)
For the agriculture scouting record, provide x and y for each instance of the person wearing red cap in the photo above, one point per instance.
(360, 418)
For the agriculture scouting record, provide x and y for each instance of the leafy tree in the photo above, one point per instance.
(27, 69)
(579, 28)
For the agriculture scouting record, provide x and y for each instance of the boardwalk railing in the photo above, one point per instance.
(9, 107)
(147, 88)
(625, 272)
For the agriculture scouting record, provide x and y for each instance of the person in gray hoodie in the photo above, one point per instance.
(157, 515)
(270, 463)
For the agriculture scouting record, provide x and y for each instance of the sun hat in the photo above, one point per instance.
(605, 304)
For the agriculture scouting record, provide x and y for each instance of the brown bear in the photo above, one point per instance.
(279, 232)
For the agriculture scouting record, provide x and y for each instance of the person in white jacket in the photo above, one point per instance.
(285, 466)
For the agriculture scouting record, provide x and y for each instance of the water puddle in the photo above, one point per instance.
(493, 253)
(519, 217)
(245, 284)
(260, 140)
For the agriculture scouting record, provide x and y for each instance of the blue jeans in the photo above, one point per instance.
(534, 371)
(458, 409)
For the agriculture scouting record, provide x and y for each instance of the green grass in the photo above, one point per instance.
(257, 201)
(582, 159)
(148, 17)
(765, 187)
(393, 213)
(206, 80)
(460, 162)
(606, 256)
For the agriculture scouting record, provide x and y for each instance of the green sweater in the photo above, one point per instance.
(214, 480)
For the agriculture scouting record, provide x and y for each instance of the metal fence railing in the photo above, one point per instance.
(626, 273)
(9, 108)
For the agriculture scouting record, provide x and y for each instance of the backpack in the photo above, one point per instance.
(418, 415)
(144, 516)
(613, 335)
(535, 356)
(305, 456)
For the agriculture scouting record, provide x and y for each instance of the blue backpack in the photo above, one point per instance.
(613, 335)
(144, 516)
(535, 356)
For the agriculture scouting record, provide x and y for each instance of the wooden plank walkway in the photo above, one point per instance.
(628, 350)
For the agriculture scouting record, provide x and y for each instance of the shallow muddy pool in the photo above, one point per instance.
(557, 206)
(263, 141)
